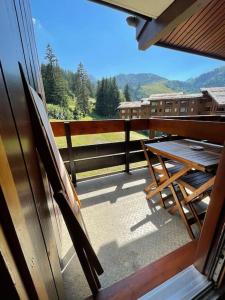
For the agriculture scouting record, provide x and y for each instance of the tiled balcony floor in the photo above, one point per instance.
(126, 231)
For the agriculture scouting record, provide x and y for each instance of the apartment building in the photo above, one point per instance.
(208, 101)
(134, 109)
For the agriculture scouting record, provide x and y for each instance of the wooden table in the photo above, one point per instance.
(205, 160)
(179, 150)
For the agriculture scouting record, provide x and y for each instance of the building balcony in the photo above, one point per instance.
(127, 232)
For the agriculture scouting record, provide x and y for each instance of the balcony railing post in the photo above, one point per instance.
(70, 152)
(151, 134)
(127, 144)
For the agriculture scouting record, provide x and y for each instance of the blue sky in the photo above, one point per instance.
(99, 37)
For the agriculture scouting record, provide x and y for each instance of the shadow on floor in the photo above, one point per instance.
(126, 231)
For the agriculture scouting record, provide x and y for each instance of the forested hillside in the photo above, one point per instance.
(75, 94)
(72, 95)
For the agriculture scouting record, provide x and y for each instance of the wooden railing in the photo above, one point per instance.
(92, 157)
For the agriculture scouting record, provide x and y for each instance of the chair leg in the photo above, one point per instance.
(161, 200)
(149, 187)
(154, 182)
(191, 207)
(195, 215)
(178, 202)
(182, 213)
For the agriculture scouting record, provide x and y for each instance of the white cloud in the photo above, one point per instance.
(37, 23)
(34, 21)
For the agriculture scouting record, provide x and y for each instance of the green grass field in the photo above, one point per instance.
(93, 139)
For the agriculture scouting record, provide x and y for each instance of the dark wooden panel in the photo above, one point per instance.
(101, 162)
(35, 62)
(202, 130)
(84, 165)
(24, 39)
(136, 156)
(10, 242)
(149, 277)
(17, 137)
(7, 286)
(89, 151)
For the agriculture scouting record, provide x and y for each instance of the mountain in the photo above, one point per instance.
(144, 84)
(213, 78)
(135, 80)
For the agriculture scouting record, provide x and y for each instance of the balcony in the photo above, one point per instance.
(126, 231)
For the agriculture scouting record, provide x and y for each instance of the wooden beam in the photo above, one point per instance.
(100, 126)
(208, 130)
(58, 128)
(202, 130)
(92, 127)
(149, 277)
(175, 14)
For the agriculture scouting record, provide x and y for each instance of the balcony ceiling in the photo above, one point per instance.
(195, 26)
(148, 8)
(203, 33)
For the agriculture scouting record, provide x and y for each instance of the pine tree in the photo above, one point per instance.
(100, 105)
(56, 88)
(82, 91)
(61, 87)
(115, 96)
(107, 97)
(48, 75)
(127, 93)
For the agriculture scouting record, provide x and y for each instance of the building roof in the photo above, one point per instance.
(216, 93)
(178, 96)
(133, 104)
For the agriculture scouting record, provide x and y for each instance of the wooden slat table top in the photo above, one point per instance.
(180, 150)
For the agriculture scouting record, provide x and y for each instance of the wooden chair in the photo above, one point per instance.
(189, 184)
(193, 186)
(157, 172)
